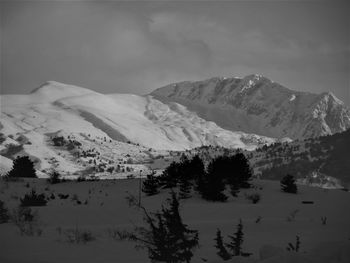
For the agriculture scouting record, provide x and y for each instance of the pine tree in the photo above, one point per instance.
(242, 170)
(213, 185)
(236, 240)
(196, 167)
(169, 177)
(22, 167)
(185, 188)
(219, 244)
(288, 184)
(168, 239)
(150, 185)
(184, 239)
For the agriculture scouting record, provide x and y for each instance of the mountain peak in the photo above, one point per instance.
(255, 104)
(53, 90)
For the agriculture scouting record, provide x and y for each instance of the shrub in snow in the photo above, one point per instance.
(292, 215)
(4, 217)
(33, 199)
(78, 236)
(255, 197)
(288, 184)
(26, 221)
(258, 219)
(54, 178)
(22, 167)
(294, 247)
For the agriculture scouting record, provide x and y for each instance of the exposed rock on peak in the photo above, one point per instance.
(255, 104)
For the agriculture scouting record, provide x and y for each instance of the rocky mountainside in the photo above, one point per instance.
(255, 104)
(62, 126)
(321, 161)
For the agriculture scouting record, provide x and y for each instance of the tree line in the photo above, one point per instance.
(210, 182)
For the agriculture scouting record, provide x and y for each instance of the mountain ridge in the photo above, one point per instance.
(113, 124)
(255, 104)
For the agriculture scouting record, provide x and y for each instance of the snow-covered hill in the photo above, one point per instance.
(112, 126)
(255, 104)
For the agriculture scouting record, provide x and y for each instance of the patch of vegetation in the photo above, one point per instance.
(77, 236)
(254, 197)
(234, 248)
(4, 216)
(26, 221)
(296, 246)
(33, 199)
(54, 178)
(288, 184)
(166, 237)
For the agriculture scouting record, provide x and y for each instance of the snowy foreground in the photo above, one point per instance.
(283, 216)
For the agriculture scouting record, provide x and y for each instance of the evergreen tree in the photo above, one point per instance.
(169, 177)
(150, 185)
(288, 184)
(168, 239)
(185, 188)
(22, 167)
(236, 240)
(184, 239)
(219, 244)
(213, 185)
(242, 170)
(197, 167)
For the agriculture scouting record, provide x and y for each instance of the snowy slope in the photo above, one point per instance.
(255, 104)
(103, 122)
(108, 209)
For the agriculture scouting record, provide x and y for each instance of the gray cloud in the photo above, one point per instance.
(136, 47)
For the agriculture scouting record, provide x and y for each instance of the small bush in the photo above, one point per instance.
(78, 236)
(4, 217)
(81, 179)
(26, 220)
(255, 197)
(294, 247)
(118, 235)
(258, 219)
(292, 215)
(33, 199)
(54, 178)
(288, 184)
(63, 196)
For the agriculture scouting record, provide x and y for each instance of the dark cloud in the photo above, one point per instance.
(138, 46)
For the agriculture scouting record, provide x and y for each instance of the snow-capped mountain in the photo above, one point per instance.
(255, 104)
(58, 124)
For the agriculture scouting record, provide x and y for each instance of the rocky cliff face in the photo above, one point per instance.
(255, 104)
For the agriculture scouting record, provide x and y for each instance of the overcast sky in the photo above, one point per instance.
(135, 47)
